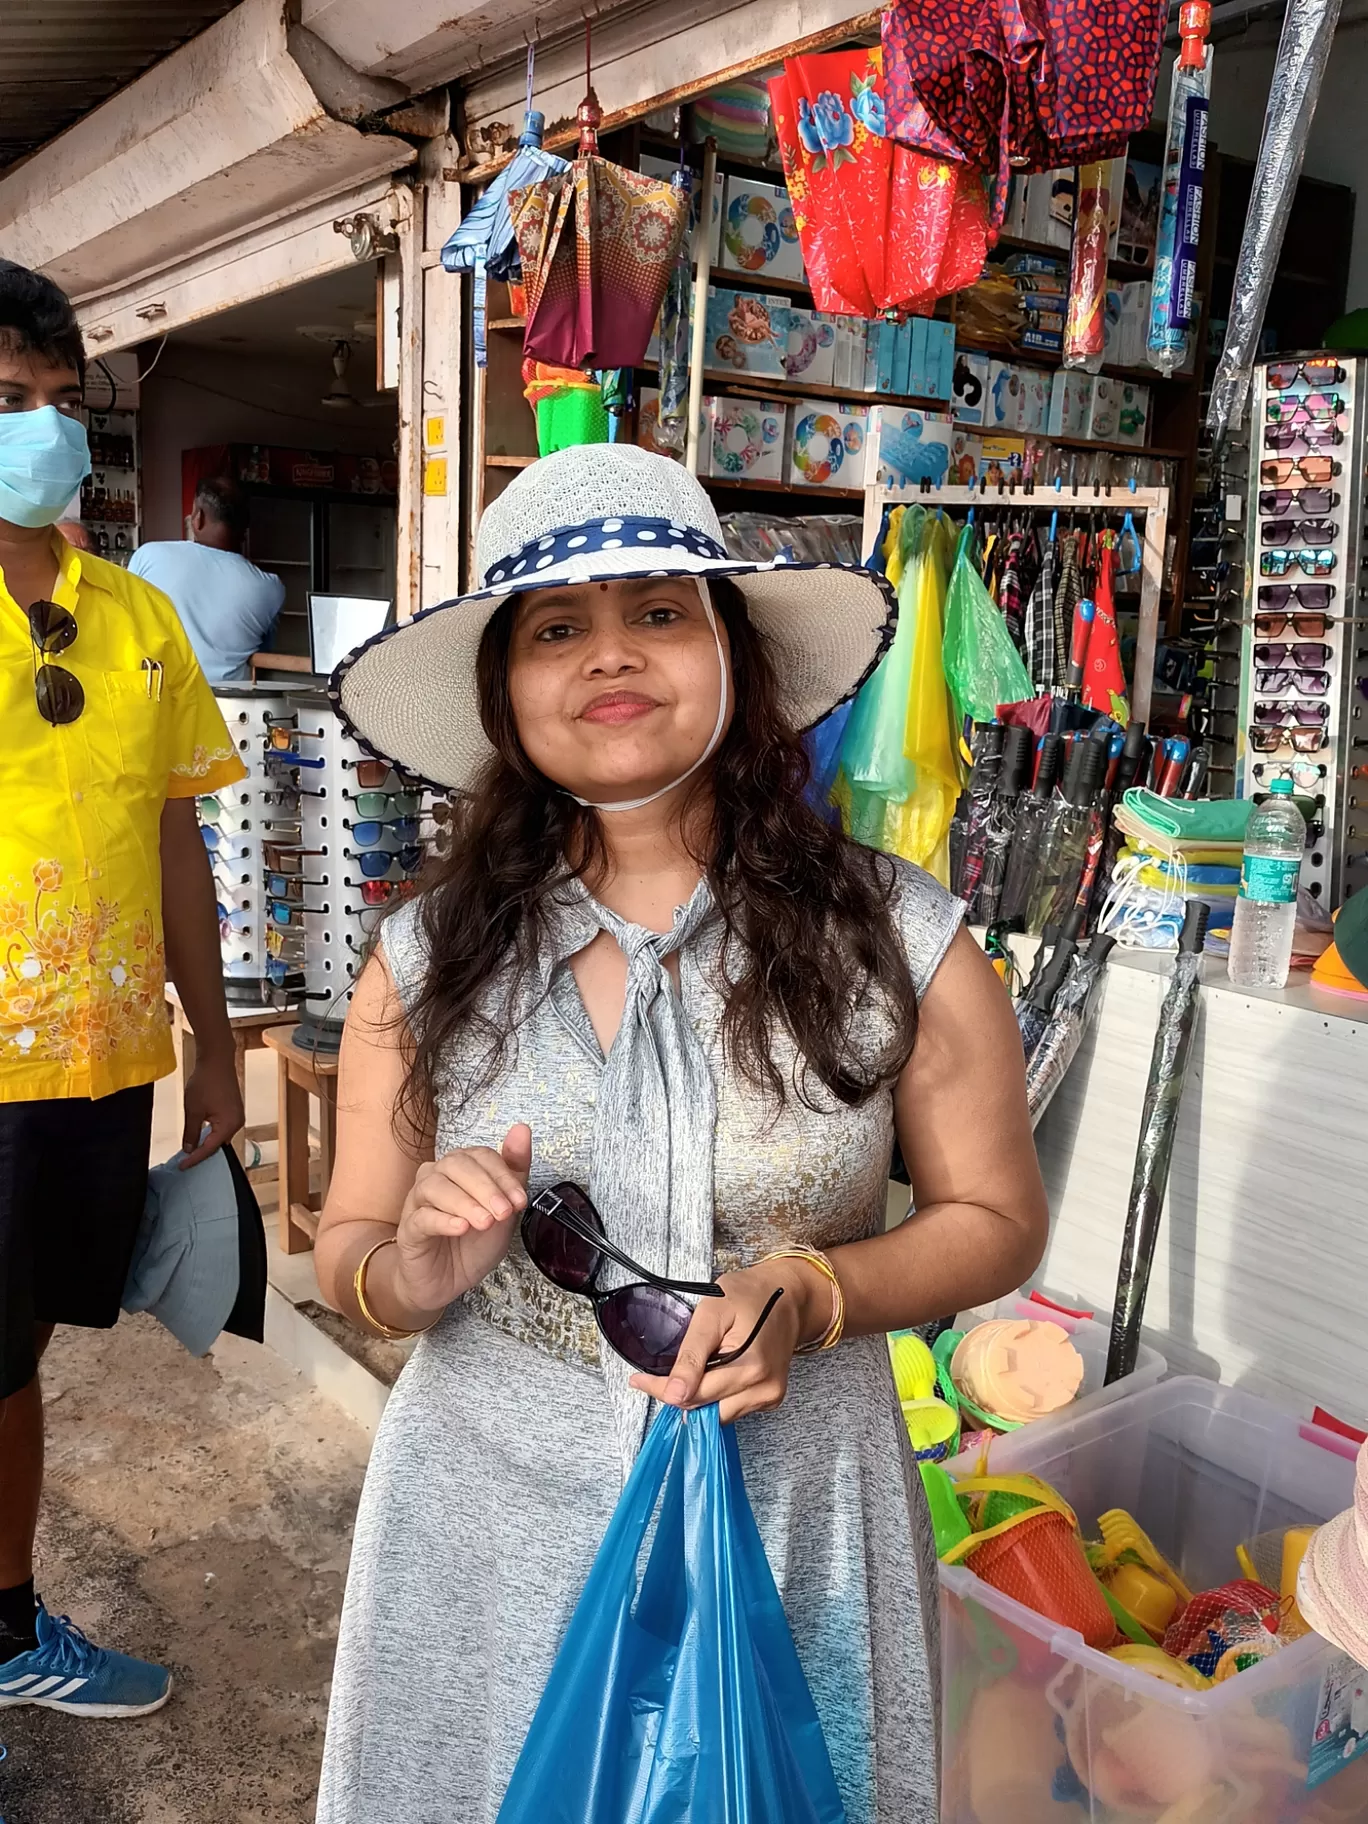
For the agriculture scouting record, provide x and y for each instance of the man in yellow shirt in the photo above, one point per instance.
(107, 733)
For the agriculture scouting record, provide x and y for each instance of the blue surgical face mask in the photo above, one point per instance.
(44, 458)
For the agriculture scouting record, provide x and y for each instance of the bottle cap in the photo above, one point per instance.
(1280, 788)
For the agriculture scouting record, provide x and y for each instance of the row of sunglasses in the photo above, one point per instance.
(1296, 532)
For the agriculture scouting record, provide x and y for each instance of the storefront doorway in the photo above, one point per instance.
(280, 395)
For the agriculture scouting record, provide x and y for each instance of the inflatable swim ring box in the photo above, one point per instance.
(744, 438)
(759, 234)
(827, 444)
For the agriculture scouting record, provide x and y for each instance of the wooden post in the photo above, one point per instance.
(702, 275)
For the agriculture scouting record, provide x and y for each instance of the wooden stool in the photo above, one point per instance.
(249, 1026)
(302, 1074)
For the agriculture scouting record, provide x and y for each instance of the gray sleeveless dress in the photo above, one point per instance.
(497, 1464)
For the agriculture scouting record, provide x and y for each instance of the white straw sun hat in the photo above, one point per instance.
(600, 513)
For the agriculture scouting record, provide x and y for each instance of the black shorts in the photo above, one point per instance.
(73, 1183)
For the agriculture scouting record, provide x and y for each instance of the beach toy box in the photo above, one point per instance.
(906, 446)
(810, 348)
(826, 444)
(1039, 1726)
(747, 333)
(759, 234)
(744, 439)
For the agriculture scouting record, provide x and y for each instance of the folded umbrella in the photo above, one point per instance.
(1154, 1153)
(1068, 1021)
(598, 244)
(882, 227)
(1029, 84)
(485, 244)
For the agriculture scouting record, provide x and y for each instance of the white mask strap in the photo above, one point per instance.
(636, 804)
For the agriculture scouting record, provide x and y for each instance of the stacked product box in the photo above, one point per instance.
(759, 234)
(744, 438)
(810, 347)
(747, 333)
(826, 444)
(906, 445)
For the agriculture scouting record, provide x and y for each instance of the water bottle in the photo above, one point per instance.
(1266, 911)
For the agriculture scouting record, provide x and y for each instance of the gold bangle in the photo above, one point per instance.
(359, 1287)
(836, 1328)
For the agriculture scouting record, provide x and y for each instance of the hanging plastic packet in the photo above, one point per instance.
(1086, 321)
(1172, 295)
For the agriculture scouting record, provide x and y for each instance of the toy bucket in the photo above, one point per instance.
(1039, 1561)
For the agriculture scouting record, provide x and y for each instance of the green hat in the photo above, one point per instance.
(1351, 936)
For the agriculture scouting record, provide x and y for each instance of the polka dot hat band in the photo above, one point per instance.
(601, 513)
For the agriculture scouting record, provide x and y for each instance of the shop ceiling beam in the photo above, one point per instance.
(648, 58)
(223, 134)
(279, 254)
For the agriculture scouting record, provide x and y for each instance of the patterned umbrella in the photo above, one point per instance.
(1024, 84)
(882, 227)
(597, 244)
(1158, 1124)
(484, 243)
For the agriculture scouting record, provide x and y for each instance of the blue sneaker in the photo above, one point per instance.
(66, 1672)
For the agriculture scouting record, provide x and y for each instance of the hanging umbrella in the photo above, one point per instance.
(484, 244)
(597, 244)
(1158, 1123)
(1068, 1021)
(486, 234)
(1019, 86)
(882, 228)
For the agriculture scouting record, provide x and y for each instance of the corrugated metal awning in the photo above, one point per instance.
(60, 58)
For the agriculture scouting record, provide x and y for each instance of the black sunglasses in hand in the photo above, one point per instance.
(644, 1322)
(58, 691)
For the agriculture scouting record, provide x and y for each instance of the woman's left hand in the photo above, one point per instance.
(758, 1380)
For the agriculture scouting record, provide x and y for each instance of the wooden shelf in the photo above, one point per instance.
(1039, 357)
(758, 388)
(724, 276)
(509, 462)
(1116, 269)
(507, 324)
(749, 485)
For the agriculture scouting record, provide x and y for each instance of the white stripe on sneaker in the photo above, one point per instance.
(18, 1684)
(43, 1686)
(72, 1684)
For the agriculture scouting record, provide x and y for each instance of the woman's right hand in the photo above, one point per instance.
(457, 1220)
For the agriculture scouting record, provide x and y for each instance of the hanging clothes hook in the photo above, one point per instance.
(531, 66)
(1128, 531)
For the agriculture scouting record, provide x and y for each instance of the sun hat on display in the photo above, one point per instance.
(602, 513)
(1332, 1584)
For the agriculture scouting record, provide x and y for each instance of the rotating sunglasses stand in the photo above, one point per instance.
(335, 864)
(236, 821)
(1336, 862)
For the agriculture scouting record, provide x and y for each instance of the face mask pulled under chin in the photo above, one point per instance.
(44, 458)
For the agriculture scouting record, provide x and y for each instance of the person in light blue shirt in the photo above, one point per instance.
(226, 605)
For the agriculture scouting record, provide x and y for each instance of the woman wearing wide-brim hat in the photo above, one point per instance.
(647, 969)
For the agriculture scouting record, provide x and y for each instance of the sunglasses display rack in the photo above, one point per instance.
(236, 823)
(357, 844)
(1301, 702)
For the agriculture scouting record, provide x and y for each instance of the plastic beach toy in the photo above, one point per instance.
(1026, 1544)
(1017, 1369)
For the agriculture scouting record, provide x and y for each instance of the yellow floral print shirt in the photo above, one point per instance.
(82, 964)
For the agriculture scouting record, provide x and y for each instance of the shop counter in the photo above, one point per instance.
(1261, 1271)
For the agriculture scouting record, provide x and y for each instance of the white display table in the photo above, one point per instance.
(1261, 1273)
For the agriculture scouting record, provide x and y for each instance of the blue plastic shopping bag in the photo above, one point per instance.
(677, 1696)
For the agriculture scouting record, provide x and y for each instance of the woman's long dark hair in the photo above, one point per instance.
(809, 933)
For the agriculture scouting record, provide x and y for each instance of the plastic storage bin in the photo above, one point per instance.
(1040, 1729)
(1090, 1338)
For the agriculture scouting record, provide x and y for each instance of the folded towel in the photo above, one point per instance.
(1204, 820)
